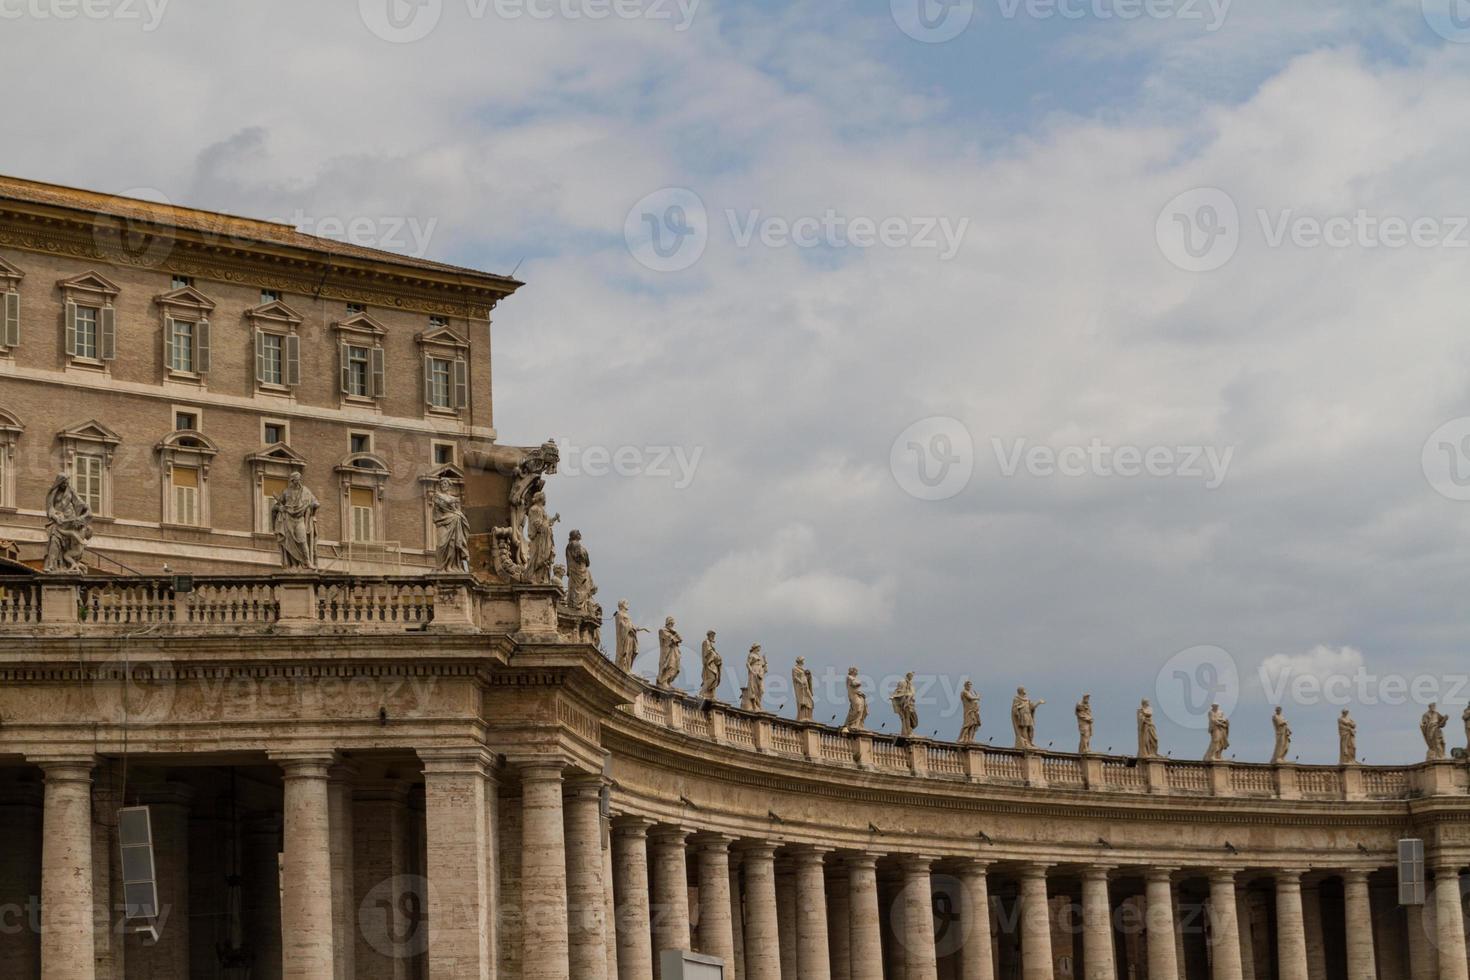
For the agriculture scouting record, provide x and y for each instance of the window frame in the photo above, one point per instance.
(11, 430)
(185, 449)
(276, 319)
(10, 279)
(362, 331)
(186, 353)
(89, 291)
(91, 438)
(443, 345)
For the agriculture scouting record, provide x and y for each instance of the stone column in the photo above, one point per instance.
(762, 934)
(839, 922)
(977, 957)
(1097, 925)
(66, 871)
(1312, 926)
(1359, 922)
(459, 893)
(1291, 936)
(670, 911)
(344, 906)
(1163, 957)
(586, 891)
(1247, 938)
(307, 939)
(918, 919)
(866, 936)
(1224, 927)
(716, 932)
(630, 887)
(1036, 960)
(543, 873)
(813, 955)
(1449, 923)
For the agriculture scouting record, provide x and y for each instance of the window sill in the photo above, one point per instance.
(274, 390)
(87, 364)
(192, 378)
(361, 401)
(170, 526)
(442, 413)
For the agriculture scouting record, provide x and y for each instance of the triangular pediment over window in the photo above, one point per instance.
(90, 431)
(277, 453)
(275, 310)
(442, 337)
(90, 282)
(186, 297)
(9, 274)
(362, 323)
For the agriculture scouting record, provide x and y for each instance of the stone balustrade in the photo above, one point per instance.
(825, 745)
(85, 604)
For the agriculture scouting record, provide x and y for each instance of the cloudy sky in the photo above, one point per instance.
(1117, 346)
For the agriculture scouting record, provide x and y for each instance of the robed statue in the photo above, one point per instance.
(1347, 739)
(451, 529)
(1148, 733)
(970, 710)
(1431, 726)
(904, 705)
(543, 540)
(755, 687)
(712, 667)
(68, 527)
(801, 685)
(1023, 718)
(1084, 725)
(857, 702)
(669, 654)
(626, 636)
(1283, 737)
(1219, 734)
(579, 574)
(293, 519)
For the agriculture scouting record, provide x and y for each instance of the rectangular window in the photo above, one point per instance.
(88, 480)
(180, 282)
(443, 455)
(435, 322)
(272, 360)
(186, 495)
(274, 432)
(361, 501)
(186, 420)
(181, 346)
(269, 296)
(360, 442)
(354, 308)
(441, 392)
(358, 373)
(86, 336)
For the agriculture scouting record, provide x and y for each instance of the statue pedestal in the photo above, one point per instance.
(60, 602)
(298, 602)
(1439, 778)
(1286, 781)
(1352, 783)
(1220, 779)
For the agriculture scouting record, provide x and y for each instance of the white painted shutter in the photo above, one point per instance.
(201, 346)
(461, 384)
(12, 319)
(292, 355)
(107, 342)
(379, 381)
(71, 329)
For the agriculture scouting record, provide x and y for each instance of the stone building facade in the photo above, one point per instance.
(352, 773)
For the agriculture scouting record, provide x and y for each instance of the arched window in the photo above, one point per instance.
(10, 431)
(184, 457)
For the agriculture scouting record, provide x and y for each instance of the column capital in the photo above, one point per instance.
(712, 842)
(1356, 874)
(1447, 867)
(583, 786)
(1034, 869)
(669, 835)
(861, 860)
(915, 863)
(631, 826)
(759, 850)
(1223, 874)
(1289, 877)
(541, 770)
(806, 855)
(1155, 874)
(71, 770)
(304, 765)
(974, 866)
(469, 759)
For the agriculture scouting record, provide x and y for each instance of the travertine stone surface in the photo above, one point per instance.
(1162, 952)
(1291, 936)
(1097, 926)
(630, 869)
(977, 956)
(543, 874)
(456, 834)
(918, 919)
(1450, 923)
(1036, 959)
(586, 892)
(307, 939)
(1358, 912)
(716, 933)
(66, 871)
(1224, 936)
(670, 872)
(762, 938)
(813, 954)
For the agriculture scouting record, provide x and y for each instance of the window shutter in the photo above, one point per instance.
(12, 319)
(108, 341)
(201, 346)
(293, 360)
(428, 381)
(461, 384)
(71, 329)
(169, 341)
(346, 370)
(259, 356)
(379, 389)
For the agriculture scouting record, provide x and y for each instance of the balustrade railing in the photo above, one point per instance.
(20, 602)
